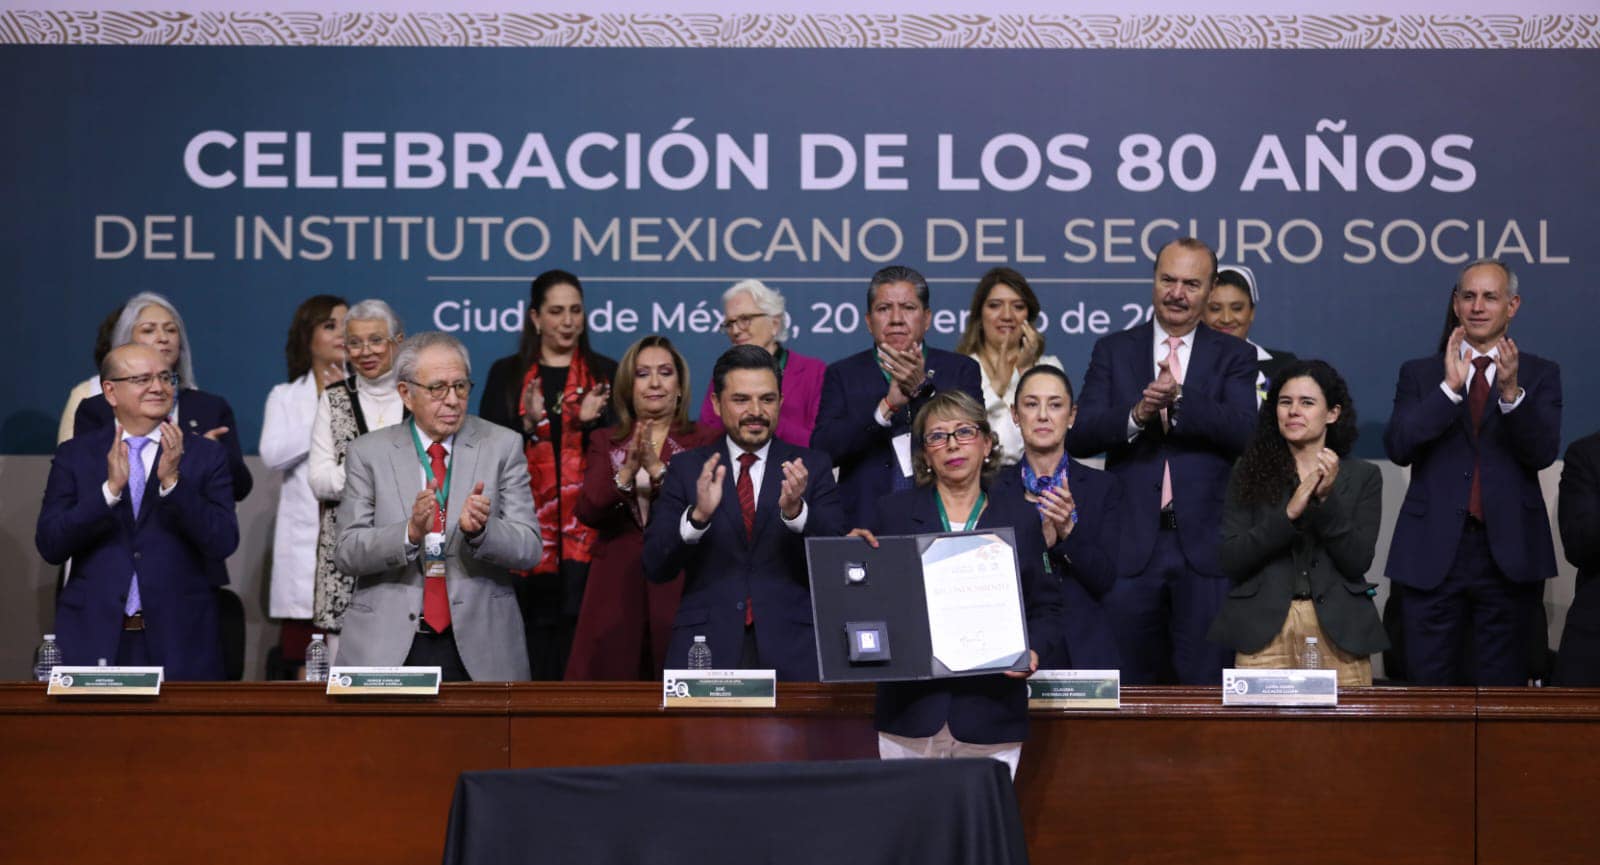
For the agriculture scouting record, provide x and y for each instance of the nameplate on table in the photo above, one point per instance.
(105, 681)
(1075, 689)
(741, 689)
(383, 681)
(1257, 687)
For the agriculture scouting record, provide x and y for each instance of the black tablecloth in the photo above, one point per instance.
(833, 813)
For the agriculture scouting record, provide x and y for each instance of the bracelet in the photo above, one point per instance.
(624, 488)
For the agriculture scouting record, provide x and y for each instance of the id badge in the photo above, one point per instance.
(433, 554)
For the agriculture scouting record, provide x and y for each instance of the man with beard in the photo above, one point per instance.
(869, 398)
(733, 517)
(1172, 404)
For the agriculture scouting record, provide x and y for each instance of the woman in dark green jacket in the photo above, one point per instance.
(1298, 532)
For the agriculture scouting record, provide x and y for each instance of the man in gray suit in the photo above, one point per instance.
(437, 513)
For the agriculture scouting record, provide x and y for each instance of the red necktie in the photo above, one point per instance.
(435, 597)
(1477, 400)
(747, 507)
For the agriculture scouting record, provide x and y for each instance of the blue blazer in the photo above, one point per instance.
(848, 431)
(1209, 430)
(1086, 563)
(198, 411)
(725, 567)
(981, 710)
(170, 544)
(1434, 436)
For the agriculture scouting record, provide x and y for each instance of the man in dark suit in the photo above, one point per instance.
(869, 399)
(1472, 544)
(733, 517)
(198, 413)
(1578, 514)
(140, 507)
(1171, 403)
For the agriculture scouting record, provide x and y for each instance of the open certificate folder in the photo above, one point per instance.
(975, 616)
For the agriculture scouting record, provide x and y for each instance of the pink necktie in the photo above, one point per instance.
(1176, 365)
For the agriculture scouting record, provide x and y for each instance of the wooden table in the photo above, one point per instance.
(278, 772)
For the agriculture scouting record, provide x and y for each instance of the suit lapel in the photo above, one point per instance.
(463, 469)
(407, 471)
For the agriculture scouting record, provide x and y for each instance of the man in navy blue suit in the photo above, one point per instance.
(733, 517)
(1172, 404)
(868, 399)
(1472, 544)
(140, 508)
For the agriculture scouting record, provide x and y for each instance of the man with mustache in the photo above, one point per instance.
(733, 517)
(1172, 404)
(141, 508)
(1472, 544)
(436, 516)
(869, 398)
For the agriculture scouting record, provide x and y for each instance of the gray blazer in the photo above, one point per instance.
(382, 479)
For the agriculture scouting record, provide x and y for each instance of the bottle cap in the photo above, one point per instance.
(49, 638)
(316, 638)
(1311, 640)
(699, 639)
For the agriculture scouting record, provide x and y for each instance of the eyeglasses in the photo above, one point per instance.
(354, 346)
(171, 379)
(962, 435)
(436, 392)
(743, 322)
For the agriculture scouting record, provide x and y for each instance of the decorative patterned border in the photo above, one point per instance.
(577, 30)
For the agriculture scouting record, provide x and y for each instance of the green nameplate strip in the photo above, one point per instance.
(383, 681)
(745, 689)
(1075, 689)
(105, 681)
(1280, 687)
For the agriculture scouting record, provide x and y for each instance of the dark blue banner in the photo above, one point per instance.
(238, 181)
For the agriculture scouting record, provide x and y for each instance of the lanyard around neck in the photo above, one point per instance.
(441, 493)
(972, 518)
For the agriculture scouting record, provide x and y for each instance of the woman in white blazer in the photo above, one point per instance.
(315, 355)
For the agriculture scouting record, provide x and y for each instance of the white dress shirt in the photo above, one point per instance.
(1471, 354)
(758, 470)
(1158, 353)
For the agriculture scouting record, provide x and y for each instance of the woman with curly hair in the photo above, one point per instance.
(1298, 533)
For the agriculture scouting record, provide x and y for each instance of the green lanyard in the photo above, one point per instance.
(442, 494)
(972, 518)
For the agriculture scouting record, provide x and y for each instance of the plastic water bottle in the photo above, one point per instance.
(46, 656)
(1311, 655)
(699, 654)
(317, 660)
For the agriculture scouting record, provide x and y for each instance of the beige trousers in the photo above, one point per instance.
(1284, 650)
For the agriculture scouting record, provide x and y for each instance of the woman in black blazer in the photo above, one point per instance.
(971, 716)
(1298, 533)
(1079, 510)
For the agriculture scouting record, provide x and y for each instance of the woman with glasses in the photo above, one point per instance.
(1299, 529)
(753, 314)
(1079, 510)
(366, 401)
(626, 622)
(150, 319)
(315, 357)
(1000, 336)
(554, 391)
(971, 716)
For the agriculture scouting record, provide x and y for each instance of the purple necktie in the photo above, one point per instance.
(136, 482)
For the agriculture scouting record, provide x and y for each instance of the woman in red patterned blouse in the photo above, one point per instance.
(554, 391)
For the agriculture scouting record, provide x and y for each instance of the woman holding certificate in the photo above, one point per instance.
(1079, 509)
(970, 716)
(1298, 532)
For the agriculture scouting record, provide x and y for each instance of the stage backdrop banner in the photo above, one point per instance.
(240, 180)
